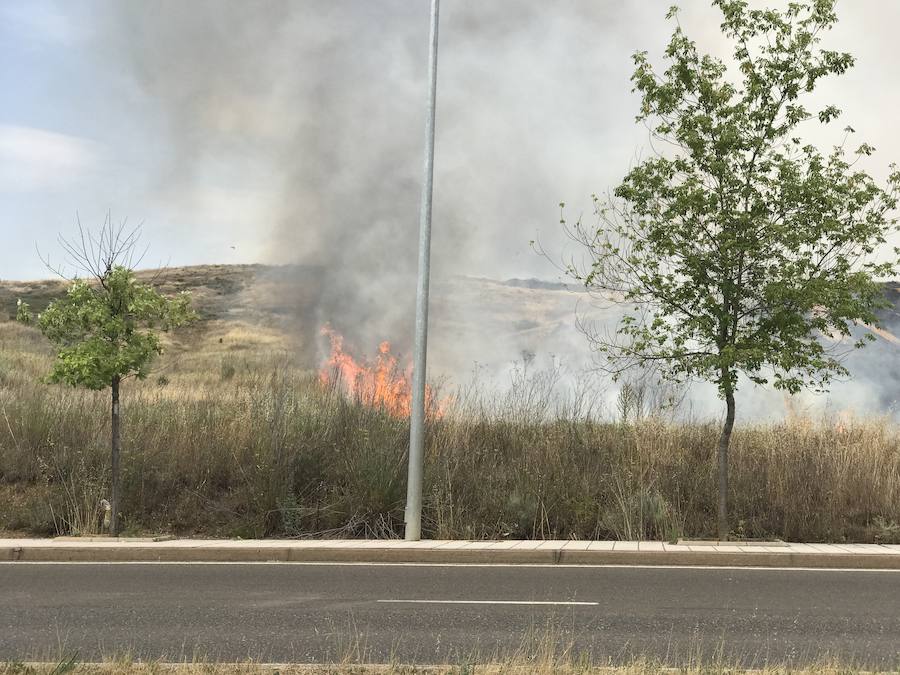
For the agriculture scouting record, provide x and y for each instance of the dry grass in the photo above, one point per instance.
(234, 436)
(509, 666)
(547, 650)
(481, 669)
(542, 651)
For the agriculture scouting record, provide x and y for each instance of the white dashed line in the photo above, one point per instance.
(491, 602)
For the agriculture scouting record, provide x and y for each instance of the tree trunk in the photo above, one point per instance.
(116, 446)
(724, 441)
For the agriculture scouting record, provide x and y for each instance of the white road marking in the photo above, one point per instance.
(490, 602)
(551, 566)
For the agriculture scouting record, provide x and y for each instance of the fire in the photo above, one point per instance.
(380, 383)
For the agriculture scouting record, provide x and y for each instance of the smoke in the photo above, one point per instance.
(303, 122)
(314, 113)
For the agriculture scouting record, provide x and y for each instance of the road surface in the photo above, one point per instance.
(431, 613)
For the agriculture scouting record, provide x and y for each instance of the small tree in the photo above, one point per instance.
(105, 327)
(739, 247)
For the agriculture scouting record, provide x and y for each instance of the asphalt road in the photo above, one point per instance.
(430, 614)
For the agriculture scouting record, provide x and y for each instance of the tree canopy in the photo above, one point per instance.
(738, 245)
(107, 328)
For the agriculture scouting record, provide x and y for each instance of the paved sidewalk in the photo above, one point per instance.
(751, 554)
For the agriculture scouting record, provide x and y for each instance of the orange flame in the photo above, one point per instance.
(380, 383)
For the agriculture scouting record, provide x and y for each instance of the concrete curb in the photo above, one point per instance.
(273, 552)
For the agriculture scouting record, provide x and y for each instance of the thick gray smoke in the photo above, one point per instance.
(307, 116)
(310, 106)
(319, 106)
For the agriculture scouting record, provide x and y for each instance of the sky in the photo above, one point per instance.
(274, 131)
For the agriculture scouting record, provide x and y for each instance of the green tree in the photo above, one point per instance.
(106, 328)
(738, 248)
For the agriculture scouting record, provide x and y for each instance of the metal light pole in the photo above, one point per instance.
(413, 516)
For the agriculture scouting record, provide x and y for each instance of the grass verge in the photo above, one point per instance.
(233, 437)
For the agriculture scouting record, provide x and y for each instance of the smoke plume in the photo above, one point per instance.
(307, 117)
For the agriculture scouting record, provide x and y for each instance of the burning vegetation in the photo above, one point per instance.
(379, 383)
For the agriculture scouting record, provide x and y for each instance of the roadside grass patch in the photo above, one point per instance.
(234, 435)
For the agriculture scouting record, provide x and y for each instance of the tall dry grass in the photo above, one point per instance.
(511, 666)
(553, 647)
(231, 438)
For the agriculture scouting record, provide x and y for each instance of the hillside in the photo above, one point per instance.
(282, 304)
(476, 324)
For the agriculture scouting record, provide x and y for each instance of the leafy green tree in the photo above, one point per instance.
(106, 328)
(736, 247)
